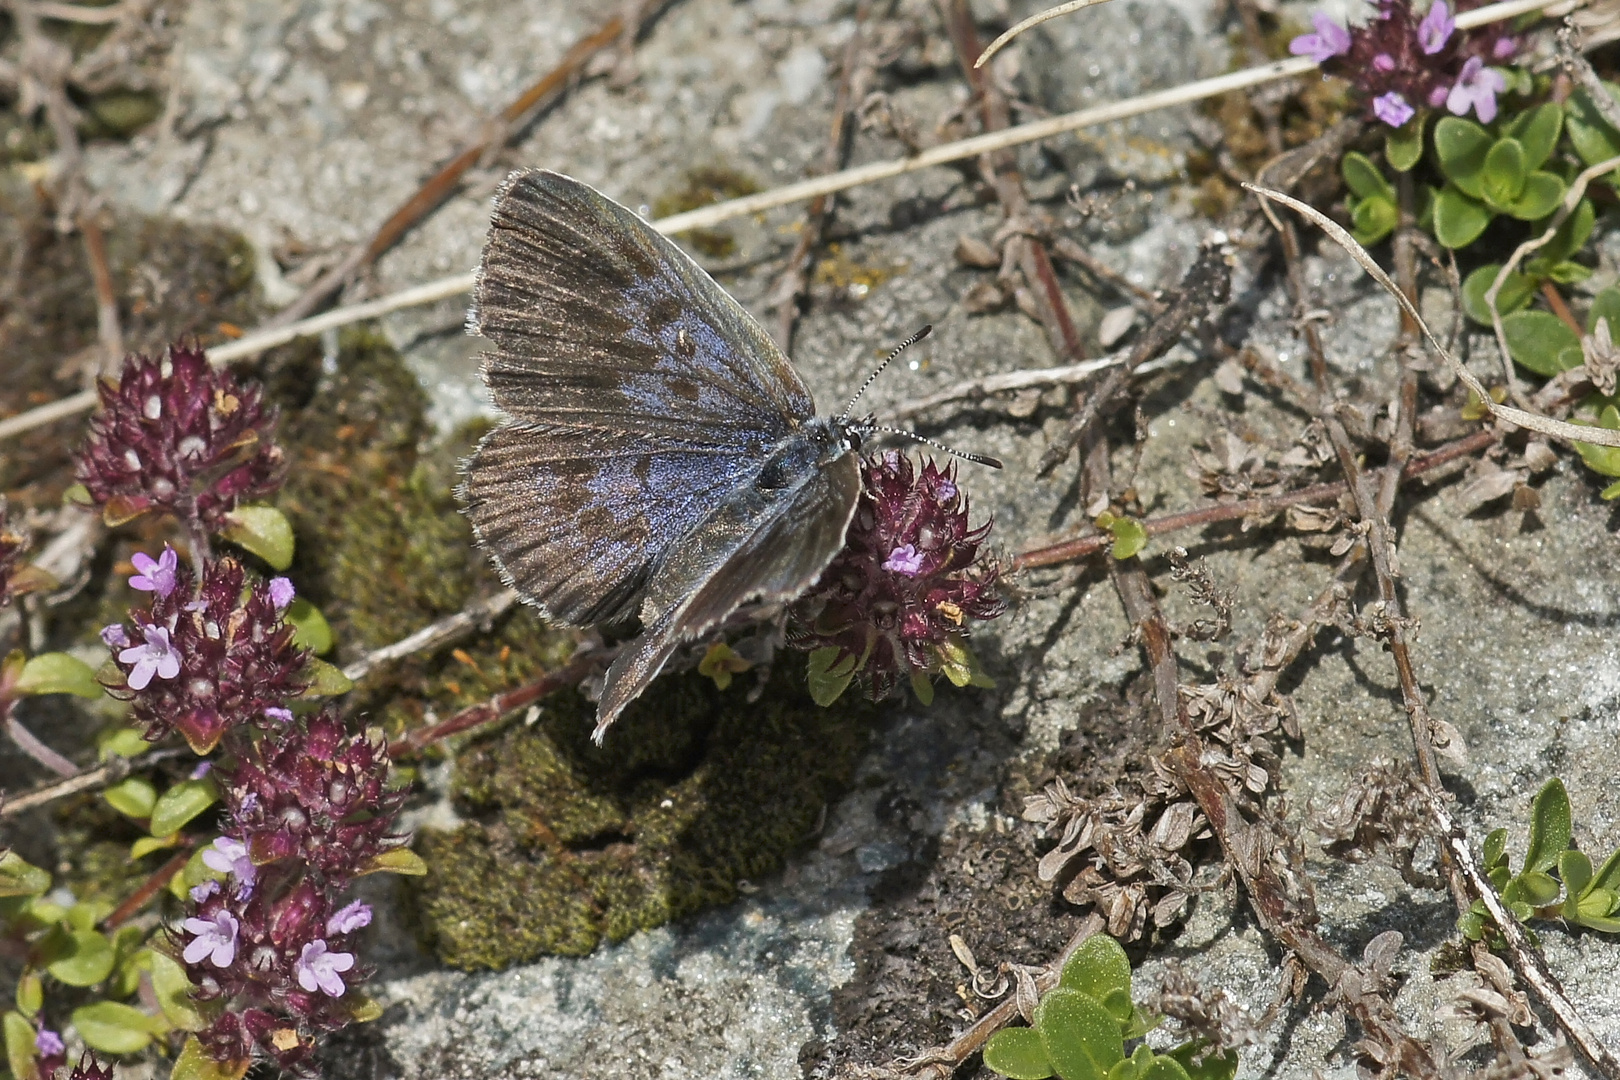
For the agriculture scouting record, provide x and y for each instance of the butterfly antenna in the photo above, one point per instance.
(887, 360)
(977, 459)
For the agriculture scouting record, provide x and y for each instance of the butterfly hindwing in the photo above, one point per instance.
(772, 553)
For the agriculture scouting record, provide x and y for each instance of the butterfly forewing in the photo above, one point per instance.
(602, 323)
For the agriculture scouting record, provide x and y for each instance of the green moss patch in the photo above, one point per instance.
(695, 790)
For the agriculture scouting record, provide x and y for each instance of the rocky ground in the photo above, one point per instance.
(297, 124)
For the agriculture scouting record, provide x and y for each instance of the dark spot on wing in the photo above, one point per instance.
(683, 388)
(664, 310)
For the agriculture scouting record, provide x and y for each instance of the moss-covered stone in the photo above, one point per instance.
(695, 790)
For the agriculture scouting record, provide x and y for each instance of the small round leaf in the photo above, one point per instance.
(1458, 218)
(1016, 1053)
(181, 803)
(1081, 1040)
(59, 673)
(134, 796)
(115, 1028)
(86, 958)
(310, 629)
(263, 530)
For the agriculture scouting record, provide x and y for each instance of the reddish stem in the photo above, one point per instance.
(150, 887)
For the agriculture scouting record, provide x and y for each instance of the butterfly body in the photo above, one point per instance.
(660, 457)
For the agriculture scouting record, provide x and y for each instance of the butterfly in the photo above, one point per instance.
(659, 455)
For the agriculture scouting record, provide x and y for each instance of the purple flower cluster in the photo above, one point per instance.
(1400, 63)
(207, 659)
(909, 579)
(191, 442)
(310, 811)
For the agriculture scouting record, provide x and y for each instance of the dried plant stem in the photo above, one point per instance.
(89, 780)
(703, 217)
(432, 194)
(1000, 170)
(108, 331)
(581, 665)
(475, 615)
(1528, 962)
(942, 1063)
(794, 283)
(1033, 21)
(151, 886)
(30, 744)
(1083, 547)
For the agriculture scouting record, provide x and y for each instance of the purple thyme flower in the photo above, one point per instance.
(202, 892)
(48, 1043)
(1476, 89)
(1384, 62)
(348, 919)
(203, 769)
(1504, 48)
(1393, 110)
(276, 712)
(319, 969)
(905, 559)
(156, 575)
(115, 636)
(1435, 29)
(230, 856)
(1330, 40)
(157, 657)
(281, 592)
(216, 939)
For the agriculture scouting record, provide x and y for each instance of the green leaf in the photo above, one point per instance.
(1550, 826)
(1216, 1066)
(1082, 1041)
(325, 680)
(1568, 273)
(83, 959)
(1604, 460)
(922, 686)
(173, 989)
(59, 673)
(310, 629)
(1461, 146)
(1403, 147)
(1017, 1053)
(960, 665)
(20, 1046)
(115, 1028)
(1458, 218)
(1495, 849)
(30, 994)
(181, 803)
(133, 796)
(1471, 924)
(1608, 875)
(263, 530)
(828, 675)
(1098, 967)
(1129, 537)
(1605, 305)
(1537, 131)
(1165, 1068)
(1612, 491)
(1571, 235)
(1543, 191)
(1503, 177)
(195, 1064)
(362, 1009)
(145, 845)
(396, 861)
(1540, 341)
(1372, 220)
(1594, 140)
(1533, 887)
(125, 742)
(1363, 178)
(1516, 292)
(1575, 871)
(19, 877)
